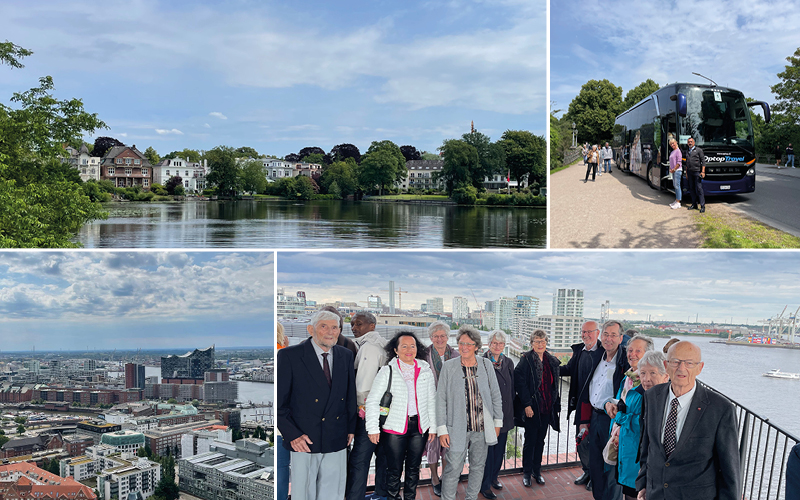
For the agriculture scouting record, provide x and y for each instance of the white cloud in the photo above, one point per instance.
(174, 131)
(206, 125)
(217, 114)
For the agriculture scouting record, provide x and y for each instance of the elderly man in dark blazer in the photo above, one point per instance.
(689, 439)
(317, 409)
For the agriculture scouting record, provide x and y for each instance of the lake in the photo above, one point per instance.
(277, 223)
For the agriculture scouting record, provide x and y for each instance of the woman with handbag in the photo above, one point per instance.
(593, 156)
(469, 409)
(536, 382)
(400, 411)
(626, 412)
(504, 370)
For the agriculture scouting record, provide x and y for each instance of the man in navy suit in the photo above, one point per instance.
(690, 446)
(317, 409)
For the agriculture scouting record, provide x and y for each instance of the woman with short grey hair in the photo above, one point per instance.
(626, 412)
(469, 410)
(504, 371)
(437, 354)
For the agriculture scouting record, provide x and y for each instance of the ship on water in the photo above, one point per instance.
(776, 373)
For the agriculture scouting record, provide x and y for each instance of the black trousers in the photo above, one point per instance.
(604, 482)
(696, 188)
(591, 167)
(535, 433)
(583, 450)
(358, 465)
(494, 461)
(401, 449)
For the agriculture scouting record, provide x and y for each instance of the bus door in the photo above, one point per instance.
(670, 123)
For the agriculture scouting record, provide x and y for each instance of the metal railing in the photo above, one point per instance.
(764, 449)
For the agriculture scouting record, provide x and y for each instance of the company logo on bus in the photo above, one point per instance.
(723, 159)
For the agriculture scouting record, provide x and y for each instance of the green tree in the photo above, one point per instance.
(595, 109)
(11, 54)
(383, 164)
(167, 489)
(152, 155)
(4, 440)
(148, 452)
(42, 203)
(343, 174)
(787, 91)
(20, 420)
(173, 183)
(491, 157)
(342, 152)
(429, 156)
(247, 152)
(556, 147)
(460, 162)
(300, 188)
(252, 176)
(20, 429)
(103, 144)
(314, 158)
(172, 401)
(526, 157)
(192, 155)
(224, 172)
(638, 93)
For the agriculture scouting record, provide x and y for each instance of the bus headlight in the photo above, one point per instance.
(751, 171)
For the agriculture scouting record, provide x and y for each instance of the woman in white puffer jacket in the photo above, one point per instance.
(412, 412)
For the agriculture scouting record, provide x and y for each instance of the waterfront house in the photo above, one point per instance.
(192, 174)
(87, 165)
(126, 166)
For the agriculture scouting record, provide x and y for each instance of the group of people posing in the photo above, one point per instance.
(594, 156)
(399, 401)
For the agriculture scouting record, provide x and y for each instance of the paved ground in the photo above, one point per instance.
(618, 210)
(775, 200)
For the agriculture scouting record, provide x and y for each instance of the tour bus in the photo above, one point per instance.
(716, 117)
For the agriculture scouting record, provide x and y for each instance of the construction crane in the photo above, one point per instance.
(399, 291)
(480, 309)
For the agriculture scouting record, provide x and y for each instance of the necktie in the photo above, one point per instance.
(326, 368)
(670, 438)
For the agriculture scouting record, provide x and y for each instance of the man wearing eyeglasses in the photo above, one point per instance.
(603, 386)
(689, 439)
(585, 356)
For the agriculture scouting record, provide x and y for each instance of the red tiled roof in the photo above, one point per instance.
(27, 486)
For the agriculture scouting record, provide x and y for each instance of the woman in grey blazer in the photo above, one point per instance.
(469, 411)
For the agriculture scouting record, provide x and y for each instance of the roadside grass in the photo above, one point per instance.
(266, 196)
(739, 231)
(426, 197)
(564, 167)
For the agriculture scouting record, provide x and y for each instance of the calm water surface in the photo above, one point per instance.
(315, 224)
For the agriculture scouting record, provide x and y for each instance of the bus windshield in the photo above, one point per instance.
(716, 117)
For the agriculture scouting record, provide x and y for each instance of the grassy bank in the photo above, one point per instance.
(406, 197)
(735, 230)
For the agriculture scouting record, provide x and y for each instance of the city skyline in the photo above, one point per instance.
(715, 39)
(280, 77)
(129, 300)
(720, 287)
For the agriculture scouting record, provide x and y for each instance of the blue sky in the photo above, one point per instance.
(742, 44)
(280, 76)
(748, 286)
(129, 300)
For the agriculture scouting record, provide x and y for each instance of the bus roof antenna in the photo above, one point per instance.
(713, 83)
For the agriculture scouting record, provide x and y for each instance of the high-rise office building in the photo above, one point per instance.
(460, 308)
(134, 376)
(568, 302)
(191, 365)
(435, 305)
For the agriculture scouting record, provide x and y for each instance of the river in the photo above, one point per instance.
(314, 224)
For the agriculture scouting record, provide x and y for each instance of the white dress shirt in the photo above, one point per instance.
(601, 389)
(319, 351)
(684, 402)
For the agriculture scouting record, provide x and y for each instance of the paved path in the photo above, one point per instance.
(618, 210)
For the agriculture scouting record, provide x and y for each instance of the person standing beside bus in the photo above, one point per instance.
(676, 170)
(592, 158)
(607, 155)
(695, 172)
(789, 155)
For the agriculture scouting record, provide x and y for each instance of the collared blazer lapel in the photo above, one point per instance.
(315, 372)
(696, 409)
(657, 415)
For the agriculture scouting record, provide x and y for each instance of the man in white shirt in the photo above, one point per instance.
(689, 439)
(370, 358)
(603, 387)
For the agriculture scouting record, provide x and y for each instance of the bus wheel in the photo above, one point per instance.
(652, 180)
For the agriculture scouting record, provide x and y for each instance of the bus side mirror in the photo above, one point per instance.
(764, 107)
(681, 98)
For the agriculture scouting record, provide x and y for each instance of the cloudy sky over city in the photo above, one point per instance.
(279, 76)
(676, 286)
(742, 44)
(124, 300)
